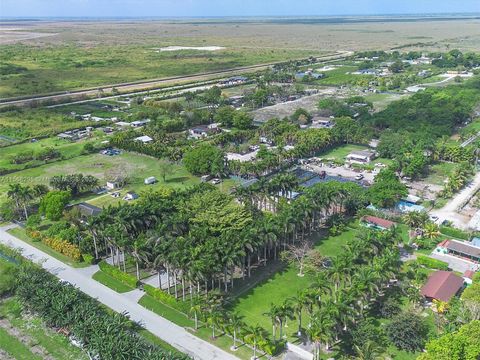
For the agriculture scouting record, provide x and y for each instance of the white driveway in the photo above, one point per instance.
(451, 210)
(81, 278)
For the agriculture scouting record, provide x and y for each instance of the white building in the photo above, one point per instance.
(144, 139)
(361, 157)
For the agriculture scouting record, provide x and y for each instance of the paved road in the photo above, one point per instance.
(451, 210)
(81, 278)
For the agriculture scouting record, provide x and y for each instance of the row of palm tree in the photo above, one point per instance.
(342, 294)
(200, 237)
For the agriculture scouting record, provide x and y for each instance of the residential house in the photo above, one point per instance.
(321, 122)
(130, 196)
(144, 139)
(139, 123)
(361, 157)
(377, 223)
(203, 131)
(462, 249)
(87, 210)
(442, 286)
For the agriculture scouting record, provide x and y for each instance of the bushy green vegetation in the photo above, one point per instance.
(431, 263)
(111, 282)
(110, 335)
(121, 276)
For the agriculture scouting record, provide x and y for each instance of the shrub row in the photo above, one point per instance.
(166, 298)
(431, 263)
(453, 232)
(64, 247)
(114, 272)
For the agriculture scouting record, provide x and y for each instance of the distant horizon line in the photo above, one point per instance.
(177, 17)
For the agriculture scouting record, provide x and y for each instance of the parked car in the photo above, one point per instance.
(359, 177)
(216, 181)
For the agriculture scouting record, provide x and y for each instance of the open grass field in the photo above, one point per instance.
(61, 55)
(26, 338)
(23, 124)
(135, 167)
(67, 149)
(439, 172)
(65, 67)
(339, 76)
(341, 152)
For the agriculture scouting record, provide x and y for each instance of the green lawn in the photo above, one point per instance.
(339, 76)
(437, 173)
(135, 166)
(67, 149)
(20, 233)
(339, 153)
(255, 302)
(111, 282)
(224, 342)
(57, 346)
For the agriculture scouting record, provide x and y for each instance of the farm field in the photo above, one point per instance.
(32, 340)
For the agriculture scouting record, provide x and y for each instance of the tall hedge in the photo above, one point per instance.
(431, 263)
(114, 272)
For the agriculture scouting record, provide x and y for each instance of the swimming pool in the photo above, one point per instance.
(405, 206)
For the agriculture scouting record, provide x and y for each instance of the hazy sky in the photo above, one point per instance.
(152, 8)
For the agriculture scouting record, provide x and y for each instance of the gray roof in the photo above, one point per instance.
(464, 248)
(88, 209)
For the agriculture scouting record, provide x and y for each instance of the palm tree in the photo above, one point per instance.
(139, 254)
(367, 351)
(196, 309)
(274, 314)
(254, 334)
(234, 324)
(431, 231)
(299, 302)
(214, 319)
(320, 331)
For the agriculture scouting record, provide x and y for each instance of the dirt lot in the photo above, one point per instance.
(310, 103)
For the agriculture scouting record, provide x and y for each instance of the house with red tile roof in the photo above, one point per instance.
(442, 286)
(377, 223)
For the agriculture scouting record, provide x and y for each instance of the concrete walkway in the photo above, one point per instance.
(81, 278)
